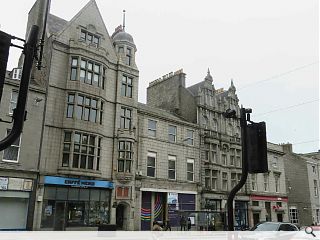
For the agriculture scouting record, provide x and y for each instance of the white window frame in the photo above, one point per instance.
(254, 182)
(293, 215)
(153, 155)
(154, 131)
(173, 159)
(171, 134)
(15, 146)
(266, 182)
(12, 102)
(190, 140)
(190, 161)
(277, 182)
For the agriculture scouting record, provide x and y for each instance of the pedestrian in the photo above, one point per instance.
(168, 226)
(189, 224)
(183, 223)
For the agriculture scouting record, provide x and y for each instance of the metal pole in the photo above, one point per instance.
(243, 124)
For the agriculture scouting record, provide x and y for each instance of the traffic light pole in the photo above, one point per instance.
(243, 124)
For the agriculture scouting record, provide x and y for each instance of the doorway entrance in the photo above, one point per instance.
(122, 216)
(256, 218)
(280, 217)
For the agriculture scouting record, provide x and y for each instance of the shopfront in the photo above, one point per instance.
(14, 202)
(165, 206)
(74, 204)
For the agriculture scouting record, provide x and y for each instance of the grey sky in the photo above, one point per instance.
(248, 40)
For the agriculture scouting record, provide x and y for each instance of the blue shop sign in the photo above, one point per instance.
(75, 182)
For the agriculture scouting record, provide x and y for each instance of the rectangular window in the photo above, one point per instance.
(266, 182)
(233, 179)
(190, 170)
(255, 203)
(172, 133)
(89, 72)
(225, 181)
(125, 156)
(151, 164)
(81, 149)
(172, 167)
(293, 215)
(11, 154)
(277, 182)
(254, 182)
(190, 137)
(239, 175)
(152, 128)
(89, 38)
(224, 159)
(207, 178)
(125, 118)
(13, 101)
(126, 86)
(315, 187)
(128, 56)
(82, 107)
(214, 180)
(214, 153)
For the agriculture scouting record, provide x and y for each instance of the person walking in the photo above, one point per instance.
(183, 223)
(189, 224)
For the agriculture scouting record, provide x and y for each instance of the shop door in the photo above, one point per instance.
(120, 216)
(256, 218)
(280, 217)
(60, 216)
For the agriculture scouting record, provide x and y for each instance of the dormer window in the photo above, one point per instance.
(89, 38)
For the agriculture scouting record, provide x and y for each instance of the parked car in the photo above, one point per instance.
(274, 226)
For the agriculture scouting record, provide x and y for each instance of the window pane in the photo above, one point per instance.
(77, 138)
(83, 64)
(128, 166)
(66, 147)
(69, 111)
(67, 136)
(84, 139)
(86, 114)
(79, 112)
(90, 162)
(172, 164)
(65, 160)
(97, 68)
(91, 150)
(151, 161)
(73, 75)
(83, 161)
(92, 140)
(90, 65)
(129, 91)
(80, 100)
(93, 103)
(172, 174)
(120, 165)
(76, 148)
(96, 79)
(74, 62)
(11, 153)
(82, 75)
(151, 172)
(190, 167)
(75, 162)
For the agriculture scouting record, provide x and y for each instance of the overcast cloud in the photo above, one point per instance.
(269, 47)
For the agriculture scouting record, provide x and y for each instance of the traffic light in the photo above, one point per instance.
(257, 148)
(5, 41)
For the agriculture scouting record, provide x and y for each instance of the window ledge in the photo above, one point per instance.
(79, 171)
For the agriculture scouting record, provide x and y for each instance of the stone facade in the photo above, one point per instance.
(302, 178)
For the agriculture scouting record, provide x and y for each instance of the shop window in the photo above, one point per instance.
(172, 167)
(126, 86)
(13, 101)
(125, 156)
(126, 118)
(11, 154)
(152, 128)
(172, 133)
(82, 149)
(190, 170)
(88, 72)
(151, 164)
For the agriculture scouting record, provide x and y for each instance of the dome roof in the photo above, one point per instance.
(122, 36)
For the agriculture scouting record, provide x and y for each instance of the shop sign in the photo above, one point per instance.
(75, 182)
(3, 183)
(173, 201)
(16, 184)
